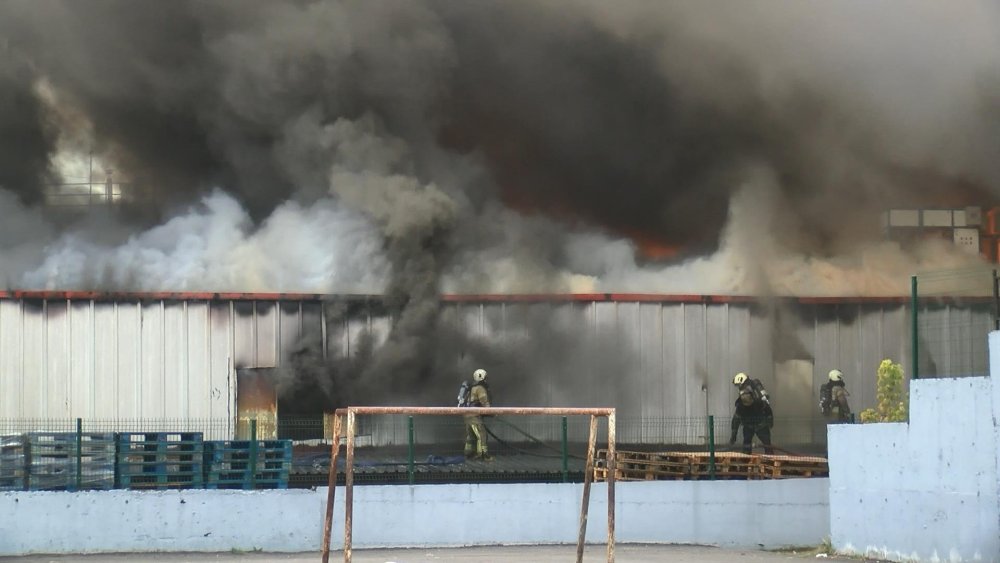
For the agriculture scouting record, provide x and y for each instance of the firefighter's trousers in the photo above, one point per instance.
(475, 436)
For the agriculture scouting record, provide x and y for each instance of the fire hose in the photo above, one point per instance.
(530, 437)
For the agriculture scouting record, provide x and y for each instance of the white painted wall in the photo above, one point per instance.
(134, 521)
(730, 513)
(927, 490)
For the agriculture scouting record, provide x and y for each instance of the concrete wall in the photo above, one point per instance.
(926, 490)
(730, 513)
(132, 521)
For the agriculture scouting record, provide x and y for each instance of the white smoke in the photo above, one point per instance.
(215, 247)
(751, 261)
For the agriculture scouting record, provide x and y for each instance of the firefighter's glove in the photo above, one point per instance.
(732, 439)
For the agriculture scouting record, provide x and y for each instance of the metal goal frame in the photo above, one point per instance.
(351, 413)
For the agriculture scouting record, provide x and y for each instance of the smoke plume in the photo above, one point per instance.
(522, 146)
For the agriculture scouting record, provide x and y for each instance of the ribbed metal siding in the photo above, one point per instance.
(175, 359)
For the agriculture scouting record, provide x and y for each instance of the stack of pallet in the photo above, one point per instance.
(68, 461)
(159, 460)
(728, 466)
(247, 464)
(13, 463)
(650, 466)
(786, 466)
(642, 466)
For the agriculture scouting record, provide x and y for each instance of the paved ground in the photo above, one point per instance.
(526, 554)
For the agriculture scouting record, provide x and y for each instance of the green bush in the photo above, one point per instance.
(891, 395)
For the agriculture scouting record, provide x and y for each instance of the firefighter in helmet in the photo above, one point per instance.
(833, 398)
(475, 431)
(753, 412)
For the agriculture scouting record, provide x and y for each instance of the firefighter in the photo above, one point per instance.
(475, 431)
(753, 412)
(833, 398)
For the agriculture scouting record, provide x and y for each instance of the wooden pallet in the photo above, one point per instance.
(728, 466)
(786, 466)
(643, 466)
(654, 466)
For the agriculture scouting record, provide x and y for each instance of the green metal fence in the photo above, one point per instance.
(390, 449)
(951, 314)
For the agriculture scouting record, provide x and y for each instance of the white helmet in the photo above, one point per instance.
(479, 375)
(836, 375)
(740, 378)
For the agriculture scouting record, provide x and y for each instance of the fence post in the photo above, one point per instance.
(410, 441)
(914, 339)
(253, 453)
(79, 453)
(711, 447)
(565, 451)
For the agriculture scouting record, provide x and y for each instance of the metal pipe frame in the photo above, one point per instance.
(351, 414)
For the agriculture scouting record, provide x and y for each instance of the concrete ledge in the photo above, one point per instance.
(726, 513)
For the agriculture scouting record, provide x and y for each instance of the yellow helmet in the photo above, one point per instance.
(836, 375)
(740, 378)
(479, 375)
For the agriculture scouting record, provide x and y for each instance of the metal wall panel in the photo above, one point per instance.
(290, 326)
(175, 349)
(152, 358)
(699, 347)
(715, 384)
(12, 390)
(244, 334)
(651, 367)
(57, 360)
(671, 388)
(81, 358)
(266, 334)
(127, 328)
(737, 358)
(34, 360)
(155, 358)
(222, 375)
(871, 352)
(196, 387)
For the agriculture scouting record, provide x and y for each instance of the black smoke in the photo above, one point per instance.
(447, 123)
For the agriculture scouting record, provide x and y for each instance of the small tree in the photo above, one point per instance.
(890, 394)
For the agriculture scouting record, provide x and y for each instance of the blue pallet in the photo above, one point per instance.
(188, 443)
(60, 445)
(158, 437)
(18, 483)
(53, 458)
(159, 460)
(228, 478)
(236, 455)
(237, 446)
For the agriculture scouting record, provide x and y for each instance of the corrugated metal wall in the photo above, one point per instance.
(172, 358)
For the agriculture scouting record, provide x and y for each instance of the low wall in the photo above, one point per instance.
(727, 513)
(927, 490)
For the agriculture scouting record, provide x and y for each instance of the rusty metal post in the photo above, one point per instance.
(593, 413)
(588, 476)
(349, 487)
(611, 487)
(330, 494)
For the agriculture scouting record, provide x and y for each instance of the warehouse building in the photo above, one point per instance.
(206, 358)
